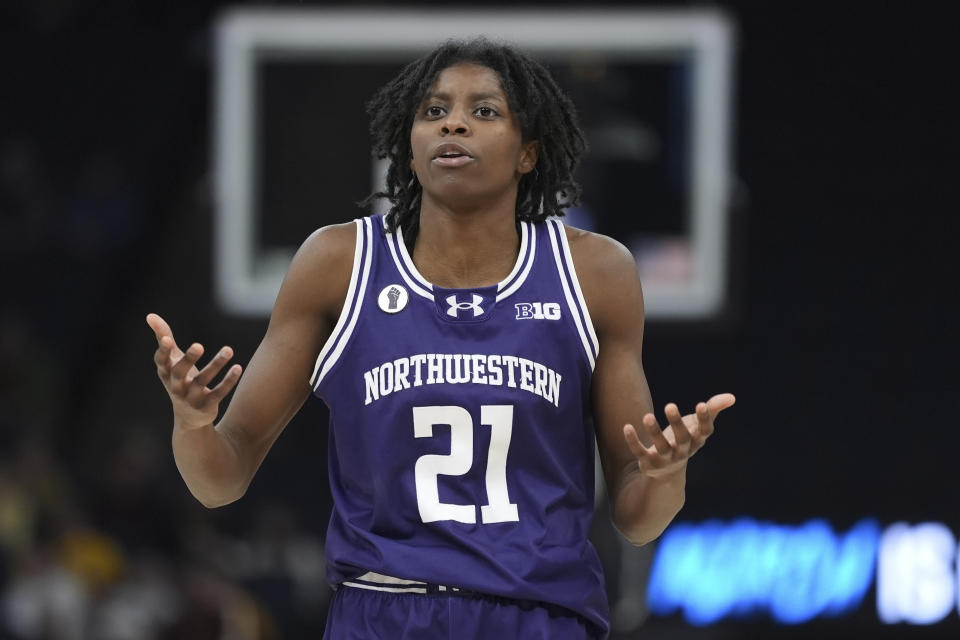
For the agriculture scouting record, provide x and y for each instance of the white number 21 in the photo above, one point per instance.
(499, 418)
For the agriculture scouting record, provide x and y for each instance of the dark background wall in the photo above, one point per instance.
(838, 340)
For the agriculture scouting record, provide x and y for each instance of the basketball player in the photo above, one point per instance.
(469, 347)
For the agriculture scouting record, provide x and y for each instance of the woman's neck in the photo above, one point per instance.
(465, 250)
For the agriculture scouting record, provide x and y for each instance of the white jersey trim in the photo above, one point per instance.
(555, 228)
(372, 587)
(423, 287)
(407, 273)
(528, 236)
(576, 287)
(341, 333)
(379, 582)
(372, 576)
(408, 260)
(525, 237)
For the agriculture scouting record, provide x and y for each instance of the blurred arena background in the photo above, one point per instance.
(825, 506)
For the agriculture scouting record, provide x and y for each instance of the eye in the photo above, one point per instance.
(433, 111)
(486, 112)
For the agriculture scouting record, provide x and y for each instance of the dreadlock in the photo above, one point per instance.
(546, 114)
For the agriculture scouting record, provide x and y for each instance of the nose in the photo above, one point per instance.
(455, 122)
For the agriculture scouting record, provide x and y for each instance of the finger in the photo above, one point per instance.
(719, 402)
(166, 356)
(680, 432)
(159, 326)
(164, 335)
(633, 441)
(652, 427)
(213, 367)
(162, 355)
(180, 370)
(227, 384)
(704, 420)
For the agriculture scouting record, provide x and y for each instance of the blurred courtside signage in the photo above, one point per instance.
(718, 570)
(652, 89)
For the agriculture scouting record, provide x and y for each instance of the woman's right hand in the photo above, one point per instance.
(195, 405)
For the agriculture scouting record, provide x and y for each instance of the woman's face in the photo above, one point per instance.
(467, 145)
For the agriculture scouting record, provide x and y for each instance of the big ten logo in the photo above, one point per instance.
(538, 310)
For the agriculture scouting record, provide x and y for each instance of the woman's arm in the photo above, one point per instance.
(644, 466)
(218, 462)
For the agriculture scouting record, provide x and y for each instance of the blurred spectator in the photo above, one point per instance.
(134, 499)
(140, 605)
(31, 377)
(17, 516)
(24, 200)
(279, 564)
(43, 600)
(216, 609)
(101, 223)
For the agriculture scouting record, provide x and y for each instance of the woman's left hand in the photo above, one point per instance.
(672, 447)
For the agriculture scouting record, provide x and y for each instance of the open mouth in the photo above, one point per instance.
(452, 159)
(451, 154)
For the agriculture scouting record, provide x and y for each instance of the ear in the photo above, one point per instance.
(529, 153)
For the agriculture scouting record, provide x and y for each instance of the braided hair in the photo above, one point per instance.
(545, 113)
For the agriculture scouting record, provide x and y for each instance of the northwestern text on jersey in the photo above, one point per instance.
(460, 368)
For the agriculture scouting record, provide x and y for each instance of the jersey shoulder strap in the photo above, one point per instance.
(359, 276)
(571, 290)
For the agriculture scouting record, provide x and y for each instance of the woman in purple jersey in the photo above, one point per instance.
(479, 138)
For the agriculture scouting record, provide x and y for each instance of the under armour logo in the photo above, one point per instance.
(456, 306)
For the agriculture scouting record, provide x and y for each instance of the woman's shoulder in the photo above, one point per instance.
(597, 256)
(319, 274)
(331, 242)
(607, 272)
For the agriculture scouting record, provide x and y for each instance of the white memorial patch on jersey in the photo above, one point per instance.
(393, 298)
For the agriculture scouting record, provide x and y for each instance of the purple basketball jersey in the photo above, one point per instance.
(461, 438)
